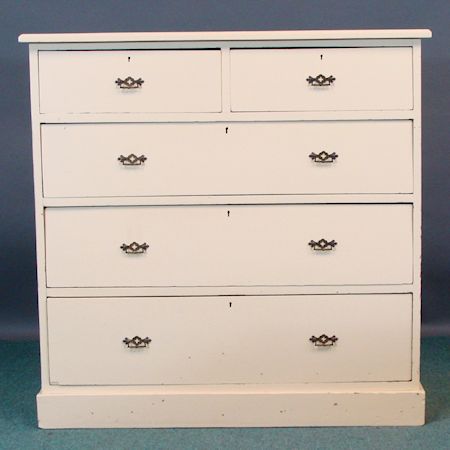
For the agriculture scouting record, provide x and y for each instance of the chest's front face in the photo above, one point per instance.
(228, 223)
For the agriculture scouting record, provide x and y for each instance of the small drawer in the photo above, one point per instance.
(321, 79)
(216, 340)
(106, 160)
(242, 245)
(130, 81)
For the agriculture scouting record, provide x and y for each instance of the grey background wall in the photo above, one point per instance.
(18, 311)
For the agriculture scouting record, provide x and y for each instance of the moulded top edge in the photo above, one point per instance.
(225, 36)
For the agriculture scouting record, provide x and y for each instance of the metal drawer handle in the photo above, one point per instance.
(134, 248)
(129, 83)
(137, 342)
(323, 157)
(322, 245)
(323, 340)
(321, 80)
(132, 160)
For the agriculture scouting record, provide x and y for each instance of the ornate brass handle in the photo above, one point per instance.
(321, 80)
(132, 160)
(129, 83)
(137, 342)
(323, 157)
(323, 340)
(134, 248)
(322, 245)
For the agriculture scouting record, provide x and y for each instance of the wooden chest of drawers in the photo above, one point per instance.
(228, 228)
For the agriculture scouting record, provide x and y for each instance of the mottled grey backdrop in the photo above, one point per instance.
(18, 311)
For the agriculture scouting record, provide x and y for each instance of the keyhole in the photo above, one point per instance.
(230, 304)
(228, 213)
(226, 130)
(129, 59)
(321, 56)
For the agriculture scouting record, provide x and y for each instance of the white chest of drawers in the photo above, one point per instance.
(228, 228)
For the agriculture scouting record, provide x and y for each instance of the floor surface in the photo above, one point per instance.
(19, 382)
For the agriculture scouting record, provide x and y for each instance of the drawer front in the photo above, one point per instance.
(95, 160)
(88, 81)
(229, 245)
(362, 79)
(209, 340)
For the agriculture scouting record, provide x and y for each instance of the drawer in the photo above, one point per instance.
(362, 79)
(209, 340)
(240, 245)
(88, 81)
(96, 160)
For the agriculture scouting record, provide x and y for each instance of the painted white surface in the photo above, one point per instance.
(164, 291)
(307, 404)
(234, 245)
(417, 212)
(39, 215)
(226, 116)
(366, 79)
(311, 406)
(290, 199)
(174, 81)
(81, 160)
(213, 340)
(226, 35)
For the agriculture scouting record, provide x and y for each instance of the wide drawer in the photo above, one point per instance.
(96, 160)
(89, 81)
(228, 245)
(209, 340)
(299, 79)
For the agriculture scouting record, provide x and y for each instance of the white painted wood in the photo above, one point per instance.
(226, 106)
(366, 79)
(417, 212)
(167, 291)
(228, 199)
(225, 116)
(220, 245)
(202, 45)
(226, 35)
(288, 388)
(174, 81)
(308, 407)
(39, 216)
(81, 160)
(263, 404)
(213, 340)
